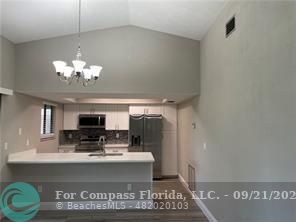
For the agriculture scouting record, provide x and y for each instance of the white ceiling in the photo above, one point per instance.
(27, 20)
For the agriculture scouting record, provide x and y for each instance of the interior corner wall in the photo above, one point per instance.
(7, 64)
(246, 111)
(21, 111)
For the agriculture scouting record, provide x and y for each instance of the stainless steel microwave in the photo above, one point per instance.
(91, 121)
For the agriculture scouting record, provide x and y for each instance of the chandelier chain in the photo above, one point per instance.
(68, 74)
(79, 23)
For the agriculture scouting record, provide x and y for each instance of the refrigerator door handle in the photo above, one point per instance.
(153, 117)
(137, 117)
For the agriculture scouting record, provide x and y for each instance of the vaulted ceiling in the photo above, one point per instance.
(28, 20)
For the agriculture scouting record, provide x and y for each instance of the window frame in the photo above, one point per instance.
(47, 136)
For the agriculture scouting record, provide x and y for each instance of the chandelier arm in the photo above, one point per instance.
(69, 82)
(62, 78)
(93, 81)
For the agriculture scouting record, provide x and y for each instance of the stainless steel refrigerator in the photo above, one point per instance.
(145, 135)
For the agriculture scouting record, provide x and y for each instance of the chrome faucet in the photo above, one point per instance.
(102, 143)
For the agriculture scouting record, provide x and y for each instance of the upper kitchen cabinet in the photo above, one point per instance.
(169, 118)
(99, 109)
(145, 109)
(71, 112)
(169, 113)
(117, 117)
(86, 109)
(111, 117)
(123, 117)
(92, 109)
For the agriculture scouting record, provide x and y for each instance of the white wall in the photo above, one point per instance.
(20, 111)
(7, 64)
(134, 60)
(246, 112)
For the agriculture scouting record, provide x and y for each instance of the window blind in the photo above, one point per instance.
(47, 119)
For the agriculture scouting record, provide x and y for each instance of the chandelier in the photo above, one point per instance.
(88, 76)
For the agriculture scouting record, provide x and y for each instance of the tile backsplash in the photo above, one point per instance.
(73, 136)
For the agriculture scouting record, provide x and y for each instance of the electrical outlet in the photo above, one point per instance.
(129, 187)
(205, 146)
(20, 131)
(70, 136)
(40, 188)
(117, 135)
(5, 146)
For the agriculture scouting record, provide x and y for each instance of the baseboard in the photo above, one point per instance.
(199, 202)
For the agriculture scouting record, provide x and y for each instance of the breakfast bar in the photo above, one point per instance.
(77, 167)
(109, 173)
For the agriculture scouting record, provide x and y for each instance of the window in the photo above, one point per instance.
(47, 121)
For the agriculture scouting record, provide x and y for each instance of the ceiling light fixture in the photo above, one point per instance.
(68, 74)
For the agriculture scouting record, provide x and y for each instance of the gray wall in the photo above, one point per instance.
(7, 63)
(134, 60)
(21, 111)
(246, 112)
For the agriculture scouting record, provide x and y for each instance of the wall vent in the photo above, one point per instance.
(191, 178)
(230, 26)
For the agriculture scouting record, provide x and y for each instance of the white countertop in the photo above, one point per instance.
(31, 157)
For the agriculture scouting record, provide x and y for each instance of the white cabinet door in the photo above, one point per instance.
(99, 109)
(146, 109)
(111, 117)
(169, 153)
(137, 110)
(169, 117)
(71, 113)
(123, 117)
(86, 109)
(154, 109)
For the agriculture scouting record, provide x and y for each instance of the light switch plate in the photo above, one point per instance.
(40, 188)
(5, 146)
(28, 142)
(129, 187)
(205, 146)
(193, 125)
(20, 131)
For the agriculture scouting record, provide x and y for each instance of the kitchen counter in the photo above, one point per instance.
(76, 172)
(32, 157)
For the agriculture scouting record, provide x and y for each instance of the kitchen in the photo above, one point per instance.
(103, 143)
(116, 128)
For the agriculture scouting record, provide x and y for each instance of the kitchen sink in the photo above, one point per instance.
(105, 154)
